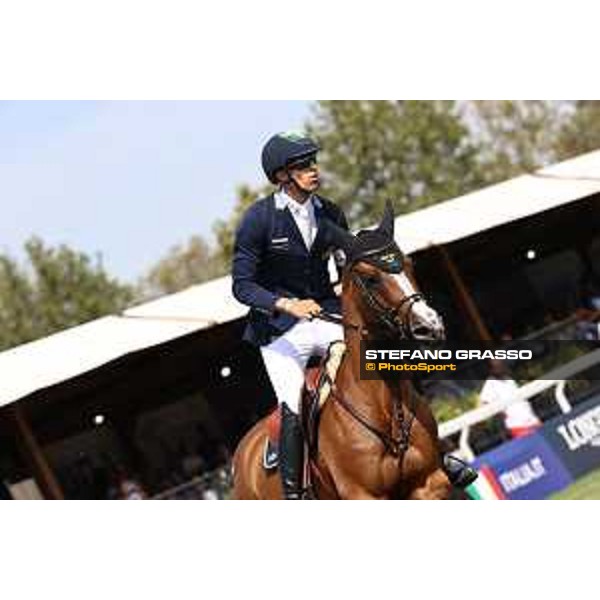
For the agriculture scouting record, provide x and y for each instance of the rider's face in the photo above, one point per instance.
(306, 174)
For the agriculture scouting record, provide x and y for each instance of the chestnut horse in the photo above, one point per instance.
(376, 439)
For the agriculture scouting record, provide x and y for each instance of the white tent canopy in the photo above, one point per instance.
(30, 367)
(502, 203)
(64, 355)
(210, 302)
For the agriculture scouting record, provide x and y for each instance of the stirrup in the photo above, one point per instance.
(301, 494)
(459, 473)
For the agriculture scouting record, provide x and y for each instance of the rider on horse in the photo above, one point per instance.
(280, 269)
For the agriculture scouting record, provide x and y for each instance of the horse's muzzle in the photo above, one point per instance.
(427, 327)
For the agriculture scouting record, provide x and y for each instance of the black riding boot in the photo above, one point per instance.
(458, 472)
(291, 454)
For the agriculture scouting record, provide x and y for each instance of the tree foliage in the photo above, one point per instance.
(514, 136)
(225, 228)
(581, 132)
(184, 265)
(57, 288)
(414, 153)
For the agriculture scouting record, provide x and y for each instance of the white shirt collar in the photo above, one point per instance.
(282, 199)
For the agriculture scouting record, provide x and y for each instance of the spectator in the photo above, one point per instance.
(192, 463)
(519, 418)
(590, 292)
(210, 494)
(586, 328)
(128, 487)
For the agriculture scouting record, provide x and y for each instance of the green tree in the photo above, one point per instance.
(581, 132)
(57, 289)
(514, 136)
(415, 153)
(225, 228)
(183, 266)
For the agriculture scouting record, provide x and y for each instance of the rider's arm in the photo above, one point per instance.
(248, 251)
(301, 309)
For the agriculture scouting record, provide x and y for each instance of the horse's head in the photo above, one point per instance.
(378, 280)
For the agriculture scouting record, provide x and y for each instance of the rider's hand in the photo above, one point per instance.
(301, 309)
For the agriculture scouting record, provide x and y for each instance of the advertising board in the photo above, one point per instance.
(525, 469)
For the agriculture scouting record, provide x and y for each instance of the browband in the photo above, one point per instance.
(388, 258)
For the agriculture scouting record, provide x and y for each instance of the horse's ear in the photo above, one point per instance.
(387, 222)
(340, 238)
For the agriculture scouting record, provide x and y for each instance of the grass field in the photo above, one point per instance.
(586, 488)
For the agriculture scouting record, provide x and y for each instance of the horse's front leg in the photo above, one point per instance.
(435, 487)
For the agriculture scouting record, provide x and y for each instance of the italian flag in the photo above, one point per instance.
(486, 486)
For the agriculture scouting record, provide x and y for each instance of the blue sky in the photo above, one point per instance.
(128, 179)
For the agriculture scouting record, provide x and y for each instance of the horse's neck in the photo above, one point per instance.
(355, 325)
(374, 395)
(378, 394)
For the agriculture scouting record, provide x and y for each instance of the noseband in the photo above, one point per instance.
(388, 316)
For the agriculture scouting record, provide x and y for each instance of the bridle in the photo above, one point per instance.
(390, 318)
(398, 326)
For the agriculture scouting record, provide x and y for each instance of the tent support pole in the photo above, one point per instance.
(34, 456)
(464, 297)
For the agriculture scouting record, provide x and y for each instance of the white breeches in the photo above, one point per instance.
(285, 358)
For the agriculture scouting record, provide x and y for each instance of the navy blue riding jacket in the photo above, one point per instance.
(271, 260)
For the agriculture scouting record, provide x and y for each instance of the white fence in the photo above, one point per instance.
(554, 379)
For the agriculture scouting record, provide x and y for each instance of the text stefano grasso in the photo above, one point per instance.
(438, 354)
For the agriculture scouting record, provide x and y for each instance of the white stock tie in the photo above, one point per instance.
(305, 225)
(303, 215)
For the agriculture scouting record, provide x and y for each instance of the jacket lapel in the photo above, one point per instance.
(319, 216)
(290, 225)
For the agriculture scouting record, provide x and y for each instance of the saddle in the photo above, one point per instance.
(318, 381)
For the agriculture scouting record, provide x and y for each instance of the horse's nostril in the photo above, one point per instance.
(428, 332)
(423, 332)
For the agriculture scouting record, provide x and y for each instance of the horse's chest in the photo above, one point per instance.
(398, 474)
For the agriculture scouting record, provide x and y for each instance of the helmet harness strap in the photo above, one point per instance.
(295, 182)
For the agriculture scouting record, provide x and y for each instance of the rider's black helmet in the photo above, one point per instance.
(283, 149)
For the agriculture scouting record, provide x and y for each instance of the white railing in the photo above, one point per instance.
(556, 379)
(214, 485)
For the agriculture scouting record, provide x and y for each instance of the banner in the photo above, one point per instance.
(575, 437)
(522, 469)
